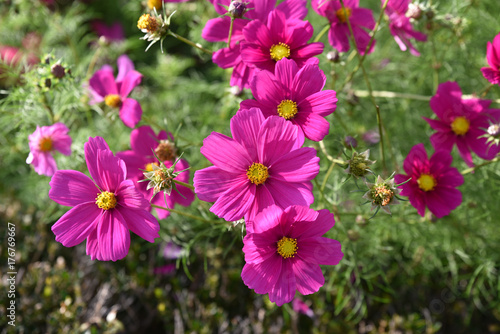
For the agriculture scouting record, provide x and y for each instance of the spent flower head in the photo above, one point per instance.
(382, 193)
(358, 165)
(162, 178)
(155, 27)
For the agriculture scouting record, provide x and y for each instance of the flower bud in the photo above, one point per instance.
(58, 71)
(237, 9)
(350, 142)
(333, 56)
(358, 165)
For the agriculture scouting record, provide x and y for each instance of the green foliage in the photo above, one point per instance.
(399, 273)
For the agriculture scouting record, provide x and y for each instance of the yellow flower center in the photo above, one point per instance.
(257, 173)
(166, 150)
(45, 144)
(343, 15)
(280, 51)
(149, 167)
(460, 125)
(155, 4)
(106, 200)
(287, 247)
(148, 23)
(426, 182)
(287, 109)
(113, 100)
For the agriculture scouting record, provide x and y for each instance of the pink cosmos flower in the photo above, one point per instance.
(400, 25)
(105, 209)
(433, 182)
(217, 30)
(300, 307)
(265, 44)
(43, 142)
(285, 250)
(461, 122)
(145, 144)
(171, 251)
(294, 94)
(492, 73)
(339, 34)
(114, 92)
(263, 165)
(112, 33)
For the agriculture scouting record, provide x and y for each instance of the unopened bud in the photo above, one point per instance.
(237, 9)
(414, 12)
(359, 164)
(333, 56)
(58, 71)
(350, 142)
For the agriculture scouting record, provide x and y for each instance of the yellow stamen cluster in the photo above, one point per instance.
(148, 23)
(426, 182)
(257, 173)
(460, 125)
(113, 100)
(382, 195)
(45, 144)
(279, 51)
(287, 247)
(287, 109)
(149, 167)
(343, 15)
(157, 4)
(106, 200)
(166, 151)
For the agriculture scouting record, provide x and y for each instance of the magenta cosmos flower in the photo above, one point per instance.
(339, 34)
(294, 94)
(112, 33)
(492, 73)
(285, 250)
(114, 92)
(104, 210)
(265, 44)
(400, 25)
(217, 30)
(43, 142)
(461, 122)
(145, 144)
(264, 164)
(433, 182)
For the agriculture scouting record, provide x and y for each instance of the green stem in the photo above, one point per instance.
(185, 214)
(187, 41)
(322, 32)
(184, 184)
(328, 156)
(93, 61)
(392, 95)
(486, 90)
(327, 175)
(230, 33)
(469, 170)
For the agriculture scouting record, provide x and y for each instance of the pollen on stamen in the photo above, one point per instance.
(287, 109)
(257, 173)
(113, 100)
(287, 247)
(426, 182)
(460, 125)
(279, 51)
(106, 200)
(45, 144)
(343, 15)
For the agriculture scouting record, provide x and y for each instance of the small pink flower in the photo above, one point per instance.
(296, 95)
(300, 307)
(400, 25)
(461, 122)
(492, 73)
(43, 142)
(433, 182)
(217, 30)
(105, 209)
(284, 252)
(263, 165)
(361, 19)
(112, 33)
(265, 44)
(145, 144)
(114, 92)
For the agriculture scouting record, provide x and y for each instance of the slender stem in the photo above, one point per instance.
(469, 170)
(328, 156)
(322, 32)
(184, 184)
(369, 86)
(185, 214)
(362, 59)
(230, 33)
(486, 90)
(187, 41)
(93, 61)
(435, 65)
(327, 175)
